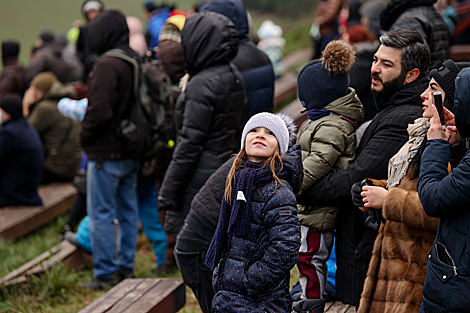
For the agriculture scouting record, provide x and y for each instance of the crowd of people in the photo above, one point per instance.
(379, 175)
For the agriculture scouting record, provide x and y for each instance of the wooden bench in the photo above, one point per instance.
(286, 85)
(155, 295)
(21, 220)
(339, 307)
(460, 53)
(64, 252)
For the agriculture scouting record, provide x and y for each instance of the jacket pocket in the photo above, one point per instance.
(441, 270)
(231, 276)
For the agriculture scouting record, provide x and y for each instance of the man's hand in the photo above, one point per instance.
(373, 197)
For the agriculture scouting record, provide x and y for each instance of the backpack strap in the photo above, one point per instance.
(121, 54)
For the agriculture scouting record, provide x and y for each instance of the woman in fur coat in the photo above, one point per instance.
(395, 278)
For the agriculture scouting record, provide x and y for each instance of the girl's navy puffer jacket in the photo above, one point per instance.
(254, 272)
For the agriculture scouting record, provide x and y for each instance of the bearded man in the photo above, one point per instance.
(399, 75)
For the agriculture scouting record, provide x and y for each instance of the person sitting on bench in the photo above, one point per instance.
(21, 155)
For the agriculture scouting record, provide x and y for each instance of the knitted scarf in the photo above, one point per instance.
(399, 163)
(236, 220)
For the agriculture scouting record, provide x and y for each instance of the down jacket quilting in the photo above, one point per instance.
(254, 272)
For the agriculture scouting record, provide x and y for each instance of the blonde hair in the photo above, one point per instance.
(241, 156)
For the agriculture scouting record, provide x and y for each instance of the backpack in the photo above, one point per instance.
(150, 127)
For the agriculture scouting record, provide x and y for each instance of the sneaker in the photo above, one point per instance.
(70, 237)
(99, 284)
(123, 274)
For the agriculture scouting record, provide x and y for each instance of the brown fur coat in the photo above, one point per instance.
(395, 278)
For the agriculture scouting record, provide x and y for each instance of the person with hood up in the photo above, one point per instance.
(21, 155)
(60, 135)
(112, 169)
(420, 16)
(257, 239)
(328, 143)
(254, 64)
(447, 196)
(199, 227)
(208, 114)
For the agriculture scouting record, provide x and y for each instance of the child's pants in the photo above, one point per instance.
(315, 249)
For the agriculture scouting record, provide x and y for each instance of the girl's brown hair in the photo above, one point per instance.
(242, 156)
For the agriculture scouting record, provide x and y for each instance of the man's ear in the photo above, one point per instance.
(412, 76)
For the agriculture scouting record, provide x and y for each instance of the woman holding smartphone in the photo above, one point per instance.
(397, 270)
(447, 196)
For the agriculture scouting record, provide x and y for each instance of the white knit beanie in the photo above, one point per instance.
(273, 123)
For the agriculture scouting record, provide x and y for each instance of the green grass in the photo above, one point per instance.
(58, 290)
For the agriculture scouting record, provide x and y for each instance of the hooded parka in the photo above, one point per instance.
(208, 112)
(447, 196)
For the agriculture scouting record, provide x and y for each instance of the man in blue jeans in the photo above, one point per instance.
(112, 170)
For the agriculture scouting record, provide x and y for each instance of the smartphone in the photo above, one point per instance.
(437, 101)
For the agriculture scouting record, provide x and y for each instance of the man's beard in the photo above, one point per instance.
(389, 88)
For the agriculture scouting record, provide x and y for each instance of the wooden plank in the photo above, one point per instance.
(135, 295)
(460, 53)
(162, 295)
(169, 299)
(338, 307)
(296, 58)
(284, 88)
(352, 309)
(19, 221)
(107, 300)
(64, 252)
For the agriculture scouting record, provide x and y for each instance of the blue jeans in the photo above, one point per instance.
(112, 195)
(148, 215)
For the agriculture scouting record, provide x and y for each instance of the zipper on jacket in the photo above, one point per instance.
(452, 260)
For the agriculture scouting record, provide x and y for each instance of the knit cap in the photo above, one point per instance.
(43, 81)
(170, 32)
(462, 103)
(47, 36)
(272, 122)
(11, 103)
(445, 76)
(325, 80)
(10, 49)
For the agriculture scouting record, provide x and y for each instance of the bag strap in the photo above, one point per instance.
(121, 54)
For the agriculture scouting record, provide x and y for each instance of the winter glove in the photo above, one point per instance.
(356, 190)
(309, 305)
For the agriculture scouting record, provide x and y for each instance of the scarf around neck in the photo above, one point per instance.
(399, 163)
(235, 220)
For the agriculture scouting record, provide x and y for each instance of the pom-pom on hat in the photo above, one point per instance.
(272, 122)
(445, 76)
(323, 81)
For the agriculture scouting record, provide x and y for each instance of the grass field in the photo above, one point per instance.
(22, 20)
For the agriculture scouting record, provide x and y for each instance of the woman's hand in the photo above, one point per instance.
(435, 130)
(373, 197)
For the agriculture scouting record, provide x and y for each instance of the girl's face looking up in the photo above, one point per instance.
(260, 144)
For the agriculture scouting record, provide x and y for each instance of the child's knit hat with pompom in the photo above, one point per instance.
(325, 80)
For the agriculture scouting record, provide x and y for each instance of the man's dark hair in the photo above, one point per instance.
(414, 49)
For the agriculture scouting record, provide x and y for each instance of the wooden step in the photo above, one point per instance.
(18, 221)
(155, 295)
(339, 307)
(64, 252)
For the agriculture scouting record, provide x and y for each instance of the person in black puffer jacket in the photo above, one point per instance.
(208, 114)
(422, 17)
(199, 226)
(447, 196)
(254, 64)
